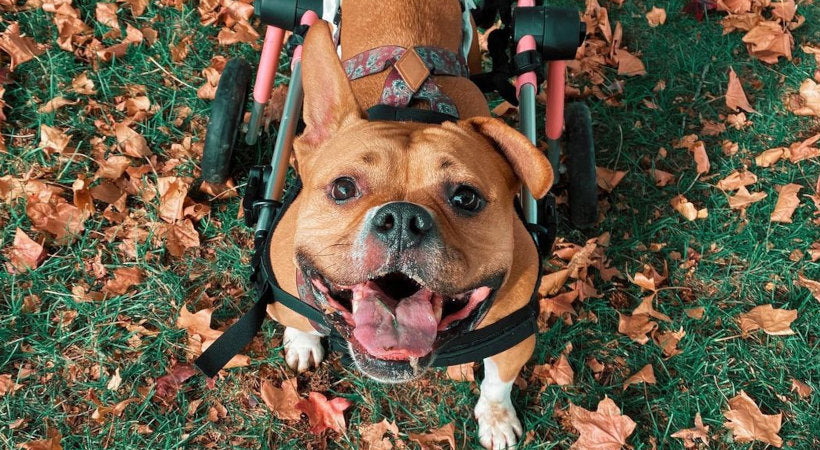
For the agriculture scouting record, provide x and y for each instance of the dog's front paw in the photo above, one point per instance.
(302, 350)
(498, 425)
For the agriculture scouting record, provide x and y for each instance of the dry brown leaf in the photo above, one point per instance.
(636, 327)
(607, 178)
(735, 97)
(552, 282)
(199, 323)
(814, 51)
(811, 285)
(690, 434)
(124, 278)
(771, 156)
(645, 375)
(112, 167)
(646, 307)
(241, 32)
(168, 385)
(132, 143)
(738, 122)
(461, 372)
(560, 372)
(629, 64)
(662, 178)
(604, 429)
(373, 435)
(82, 197)
(687, 209)
(25, 253)
(776, 322)
(749, 424)
(787, 203)
(172, 191)
(430, 440)
(736, 180)
(710, 128)
(668, 341)
(81, 84)
(18, 47)
(729, 148)
(53, 140)
(52, 443)
(323, 413)
(695, 313)
(801, 151)
(784, 10)
(767, 41)
(802, 389)
(54, 104)
(106, 14)
(698, 150)
(656, 16)
(282, 401)
(7, 385)
(180, 236)
(744, 198)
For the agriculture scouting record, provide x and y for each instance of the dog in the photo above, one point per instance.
(401, 229)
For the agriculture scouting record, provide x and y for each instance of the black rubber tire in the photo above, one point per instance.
(579, 147)
(226, 119)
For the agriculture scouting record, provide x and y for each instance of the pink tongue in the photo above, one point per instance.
(408, 332)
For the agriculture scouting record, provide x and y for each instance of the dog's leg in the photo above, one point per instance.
(303, 350)
(498, 425)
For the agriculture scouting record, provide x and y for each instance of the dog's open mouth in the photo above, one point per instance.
(395, 317)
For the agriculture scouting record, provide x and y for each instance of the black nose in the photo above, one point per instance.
(402, 224)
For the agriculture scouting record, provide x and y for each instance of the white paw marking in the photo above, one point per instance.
(302, 350)
(498, 425)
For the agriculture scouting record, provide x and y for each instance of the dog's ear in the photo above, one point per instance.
(329, 100)
(528, 163)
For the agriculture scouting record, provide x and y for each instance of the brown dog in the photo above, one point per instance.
(402, 229)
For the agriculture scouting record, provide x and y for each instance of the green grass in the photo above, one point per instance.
(744, 261)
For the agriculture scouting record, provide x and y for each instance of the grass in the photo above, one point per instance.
(72, 348)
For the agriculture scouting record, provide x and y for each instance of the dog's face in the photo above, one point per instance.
(404, 231)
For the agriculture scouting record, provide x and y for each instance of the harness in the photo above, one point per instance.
(408, 80)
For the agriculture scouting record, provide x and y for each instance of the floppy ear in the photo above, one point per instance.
(329, 100)
(528, 163)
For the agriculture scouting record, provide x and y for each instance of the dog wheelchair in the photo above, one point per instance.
(534, 36)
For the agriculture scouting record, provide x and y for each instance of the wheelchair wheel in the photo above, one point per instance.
(226, 119)
(582, 188)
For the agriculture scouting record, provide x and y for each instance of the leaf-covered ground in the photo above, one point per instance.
(108, 244)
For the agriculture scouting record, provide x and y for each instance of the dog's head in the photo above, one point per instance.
(405, 231)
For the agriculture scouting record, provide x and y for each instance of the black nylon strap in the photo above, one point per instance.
(394, 114)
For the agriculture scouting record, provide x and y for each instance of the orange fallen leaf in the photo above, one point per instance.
(636, 327)
(784, 10)
(645, 375)
(198, 323)
(373, 435)
(51, 443)
(749, 424)
(25, 253)
(802, 389)
(712, 128)
(687, 209)
(698, 150)
(323, 413)
(430, 440)
(180, 236)
(131, 142)
(607, 178)
(18, 47)
(106, 14)
(695, 313)
(735, 97)
(668, 341)
(282, 401)
(768, 41)
(771, 156)
(172, 191)
(787, 202)
(736, 180)
(646, 307)
(729, 148)
(124, 278)
(656, 16)
(168, 385)
(560, 372)
(738, 122)
(662, 178)
(776, 322)
(690, 434)
(744, 198)
(552, 282)
(629, 64)
(800, 151)
(814, 51)
(53, 140)
(604, 429)
(54, 104)
(7, 385)
(811, 285)
(81, 84)
(461, 372)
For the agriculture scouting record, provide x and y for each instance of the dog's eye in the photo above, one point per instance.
(343, 188)
(467, 199)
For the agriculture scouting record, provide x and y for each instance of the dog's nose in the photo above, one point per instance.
(402, 224)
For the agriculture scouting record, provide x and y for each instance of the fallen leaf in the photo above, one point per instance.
(168, 385)
(656, 16)
(735, 97)
(25, 253)
(461, 372)
(373, 435)
(744, 198)
(636, 327)
(607, 178)
(429, 440)
(736, 180)
(809, 99)
(282, 401)
(701, 158)
(115, 381)
(768, 41)
(21, 49)
(687, 209)
(54, 104)
(690, 434)
(662, 178)
(52, 443)
(776, 322)
(604, 429)
(81, 84)
(749, 424)
(112, 167)
(771, 156)
(787, 202)
(811, 285)
(53, 140)
(629, 64)
(738, 122)
(180, 236)
(7, 385)
(784, 10)
(324, 414)
(710, 128)
(172, 191)
(695, 313)
(800, 151)
(802, 389)
(645, 375)
(560, 372)
(124, 278)
(132, 143)
(668, 341)
(106, 14)
(647, 308)
(199, 323)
